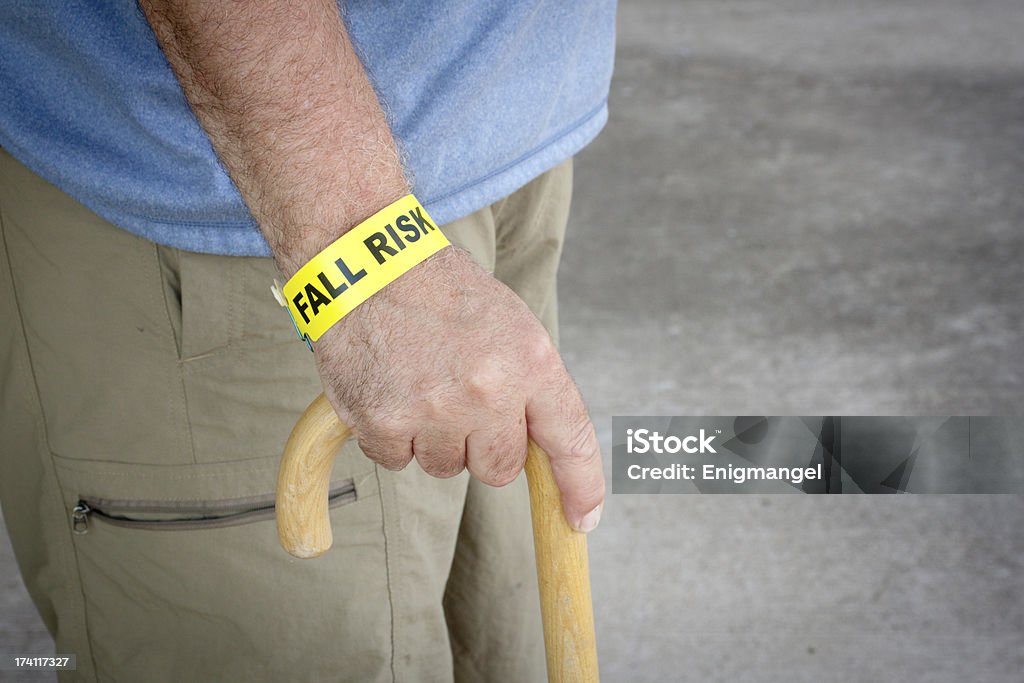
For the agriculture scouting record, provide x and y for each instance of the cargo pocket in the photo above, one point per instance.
(187, 515)
(183, 578)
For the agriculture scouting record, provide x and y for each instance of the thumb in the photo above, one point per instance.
(558, 422)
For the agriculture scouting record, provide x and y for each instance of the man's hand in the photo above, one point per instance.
(445, 364)
(448, 366)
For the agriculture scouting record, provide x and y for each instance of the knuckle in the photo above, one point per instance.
(389, 426)
(485, 378)
(433, 408)
(540, 349)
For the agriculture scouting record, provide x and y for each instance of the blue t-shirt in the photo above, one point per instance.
(482, 96)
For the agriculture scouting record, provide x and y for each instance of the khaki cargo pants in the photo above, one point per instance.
(153, 389)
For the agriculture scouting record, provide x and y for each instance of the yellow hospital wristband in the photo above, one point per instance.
(359, 264)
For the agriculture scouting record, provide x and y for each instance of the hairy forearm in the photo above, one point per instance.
(289, 109)
(287, 104)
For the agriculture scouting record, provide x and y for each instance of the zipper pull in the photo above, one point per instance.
(80, 518)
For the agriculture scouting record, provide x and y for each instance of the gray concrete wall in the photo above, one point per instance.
(797, 208)
(806, 208)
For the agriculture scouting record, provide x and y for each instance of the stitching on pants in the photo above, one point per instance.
(541, 187)
(167, 303)
(182, 368)
(498, 209)
(67, 554)
(179, 402)
(164, 477)
(188, 413)
(546, 190)
(235, 293)
(387, 567)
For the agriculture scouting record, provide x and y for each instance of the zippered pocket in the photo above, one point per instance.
(188, 515)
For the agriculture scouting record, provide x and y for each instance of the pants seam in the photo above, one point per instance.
(68, 555)
(498, 209)
(544, 198)
(188, 414)
(387, 570)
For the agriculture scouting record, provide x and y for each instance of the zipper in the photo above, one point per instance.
(189, 515)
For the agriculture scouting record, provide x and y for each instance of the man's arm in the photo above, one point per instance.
(278, 88)
(445, 364)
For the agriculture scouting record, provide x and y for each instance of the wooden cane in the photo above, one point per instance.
(304, 529)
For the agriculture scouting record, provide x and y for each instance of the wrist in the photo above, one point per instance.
(368, 257)
(301, 240)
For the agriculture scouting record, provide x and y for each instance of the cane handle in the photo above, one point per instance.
(304, 529)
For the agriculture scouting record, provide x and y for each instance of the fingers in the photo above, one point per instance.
(440, 449)
(488, 435)
(492, 454)
(559, 423)
(388, 443)
(495, 455)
